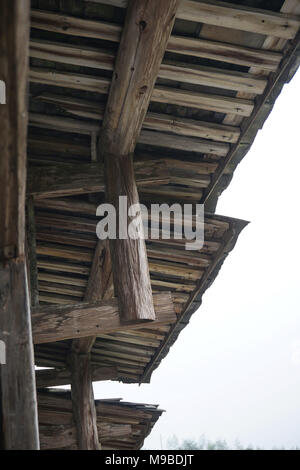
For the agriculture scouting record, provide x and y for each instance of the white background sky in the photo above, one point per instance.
(234, 372)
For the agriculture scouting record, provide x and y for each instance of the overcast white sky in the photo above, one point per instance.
(234, 372)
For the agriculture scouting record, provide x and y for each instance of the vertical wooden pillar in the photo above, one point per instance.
(31, 253)
(99, 287)
(84, 411)
(18, 393)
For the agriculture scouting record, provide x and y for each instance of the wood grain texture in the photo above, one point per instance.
(83, 405)
(233, 16)
(13, 130)
(146, 31)
(170, 70)
(99, 287)
(160, 94)
(58, 322)
(31, 253)
(19, 407)
(214, 50)
(18, 395)
(153, 121)
(71, 179)
(57, 436)
(57, 377)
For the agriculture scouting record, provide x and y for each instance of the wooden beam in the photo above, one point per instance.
(153, 121)
(83, 405)
(187, 144)
(145, 34)
(160, 94)
(100, 287)
(254, 20)
(214, 50)
(70, 179)
(18, 395)
(223, 52)
(59, 436)
(31, 253)
(243, 18)
(59, 322)
(56, 377)
(170, 70)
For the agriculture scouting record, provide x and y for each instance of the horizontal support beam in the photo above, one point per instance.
(178, 71)
(70, 179)
(55, 181)
(57, 377)
(59, 322)
(210, 102)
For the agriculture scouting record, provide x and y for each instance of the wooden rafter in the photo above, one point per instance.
(146, 31)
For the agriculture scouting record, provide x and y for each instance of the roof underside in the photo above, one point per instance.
(216, 86)
(121, 425)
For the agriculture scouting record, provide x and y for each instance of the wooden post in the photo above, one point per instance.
(83, 405)
(145, 35)
(99, 287)
(31, 253)
(18, 394)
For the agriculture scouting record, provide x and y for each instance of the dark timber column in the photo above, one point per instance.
(146, 32)
(99, 287)
(18, 394)
(84, 411)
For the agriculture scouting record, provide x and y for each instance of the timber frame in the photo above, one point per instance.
(156, 101)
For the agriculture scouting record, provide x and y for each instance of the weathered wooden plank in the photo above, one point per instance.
(212, 77)
(232, 16)
(18, 395)
(153, 121)
(83, 405)
(100, 287)
(182, 45)
(31, 252)
(69, 80)
(19, 412)
(56, 377)
(69, 179)
(239, 17)
(187, 144)
(57, 436)
(210, 102)
(145, 34)
(178, 71)
(55, 323)
(223, 52)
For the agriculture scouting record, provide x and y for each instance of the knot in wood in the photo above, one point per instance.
(143, 90)
(142, 25)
